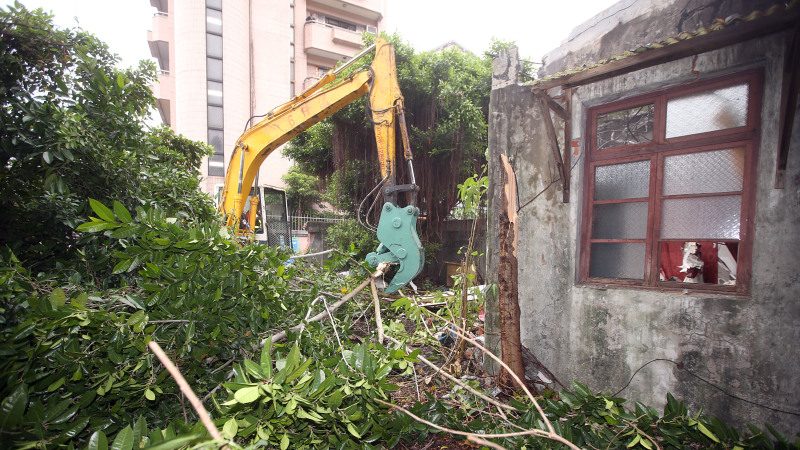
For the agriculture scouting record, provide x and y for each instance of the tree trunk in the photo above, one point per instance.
(508, 301)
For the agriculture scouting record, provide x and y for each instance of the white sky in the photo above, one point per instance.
(537, 26)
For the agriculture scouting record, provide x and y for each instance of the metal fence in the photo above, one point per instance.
(299, 222)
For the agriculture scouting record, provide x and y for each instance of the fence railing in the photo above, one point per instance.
(299, 222)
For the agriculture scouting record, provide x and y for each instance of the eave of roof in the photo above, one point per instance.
(720, 33)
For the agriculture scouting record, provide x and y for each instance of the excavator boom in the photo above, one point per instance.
(400, 244)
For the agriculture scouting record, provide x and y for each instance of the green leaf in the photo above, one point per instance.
(57, 384)
(13, 407)
(150, 395)
(266, 359)
(122, 266)
(230, 429)
(48, 157)
(646, 444)
(102, 210)
(58, 298)
(124, 439)
(94, 227)
(98, 441)
(635, 441)
(247, 395)
(172, 444)
(285, 441)
(353, 430)
(707, 432)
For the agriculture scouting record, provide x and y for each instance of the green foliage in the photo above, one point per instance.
(595, 420)
(470, 194)
(345, 184)
(302, 189)
(350, 237)
(301, 402)
(73, 127)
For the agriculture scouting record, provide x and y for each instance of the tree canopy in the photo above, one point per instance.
(446, 95)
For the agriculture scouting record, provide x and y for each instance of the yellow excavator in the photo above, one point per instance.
(397, 225)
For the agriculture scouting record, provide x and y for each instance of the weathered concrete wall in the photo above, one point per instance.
(630, 23)
(747, 345)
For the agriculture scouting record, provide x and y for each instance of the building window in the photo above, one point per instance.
(669, 177)
(214, 87)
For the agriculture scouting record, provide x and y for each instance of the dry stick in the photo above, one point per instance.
(205, 418)
(455, 380)
(377, 303)
(486, 351)
(277, 337)
(480, 441)
(531, 432)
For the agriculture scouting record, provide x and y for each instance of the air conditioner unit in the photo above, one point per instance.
(372, 30)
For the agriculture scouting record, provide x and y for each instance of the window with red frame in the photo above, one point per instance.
(669, 177)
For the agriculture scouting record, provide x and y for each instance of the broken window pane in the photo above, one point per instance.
(705, 262)
(616, 181)
(626, 127)
(702, 218)
(708, 111)
(617, 261)
(620, 221)
(706, 172)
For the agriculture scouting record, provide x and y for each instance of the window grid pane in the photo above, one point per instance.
(213, 45)
(620, 181)
(620, 221)
(626, 127)
(617, 261)
(704, 173)
(702, 218)
(707, 111)
(214, 69)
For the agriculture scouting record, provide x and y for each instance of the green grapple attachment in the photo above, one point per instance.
(399, 244)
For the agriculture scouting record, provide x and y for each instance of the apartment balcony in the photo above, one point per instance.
(330, 42)
(371, 10)
(159, 38)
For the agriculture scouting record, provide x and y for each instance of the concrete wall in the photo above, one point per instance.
(601, 336)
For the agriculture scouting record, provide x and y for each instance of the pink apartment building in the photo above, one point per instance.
(223, 62)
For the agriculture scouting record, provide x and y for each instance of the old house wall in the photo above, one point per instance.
(601, 336)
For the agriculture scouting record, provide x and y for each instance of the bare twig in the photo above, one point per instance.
(455, 380)
(480, 441)
(205, 418)
(532, 432)
(377, 303)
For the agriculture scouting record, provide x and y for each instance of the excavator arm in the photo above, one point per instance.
(396, 230)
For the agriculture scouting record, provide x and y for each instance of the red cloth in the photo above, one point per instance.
(672, 257)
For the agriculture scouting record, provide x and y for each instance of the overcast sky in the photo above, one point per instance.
(536, 25)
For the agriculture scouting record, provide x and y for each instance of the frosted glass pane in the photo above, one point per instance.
(215, 117)
(626, 127)
(699, 218)
(708, 111)
(214, 93)
(629, 180)
(620, 221)
(617, 261)
(213, 21)
(213, 45)
(214, 69)
(706, 172)
(216, 4)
